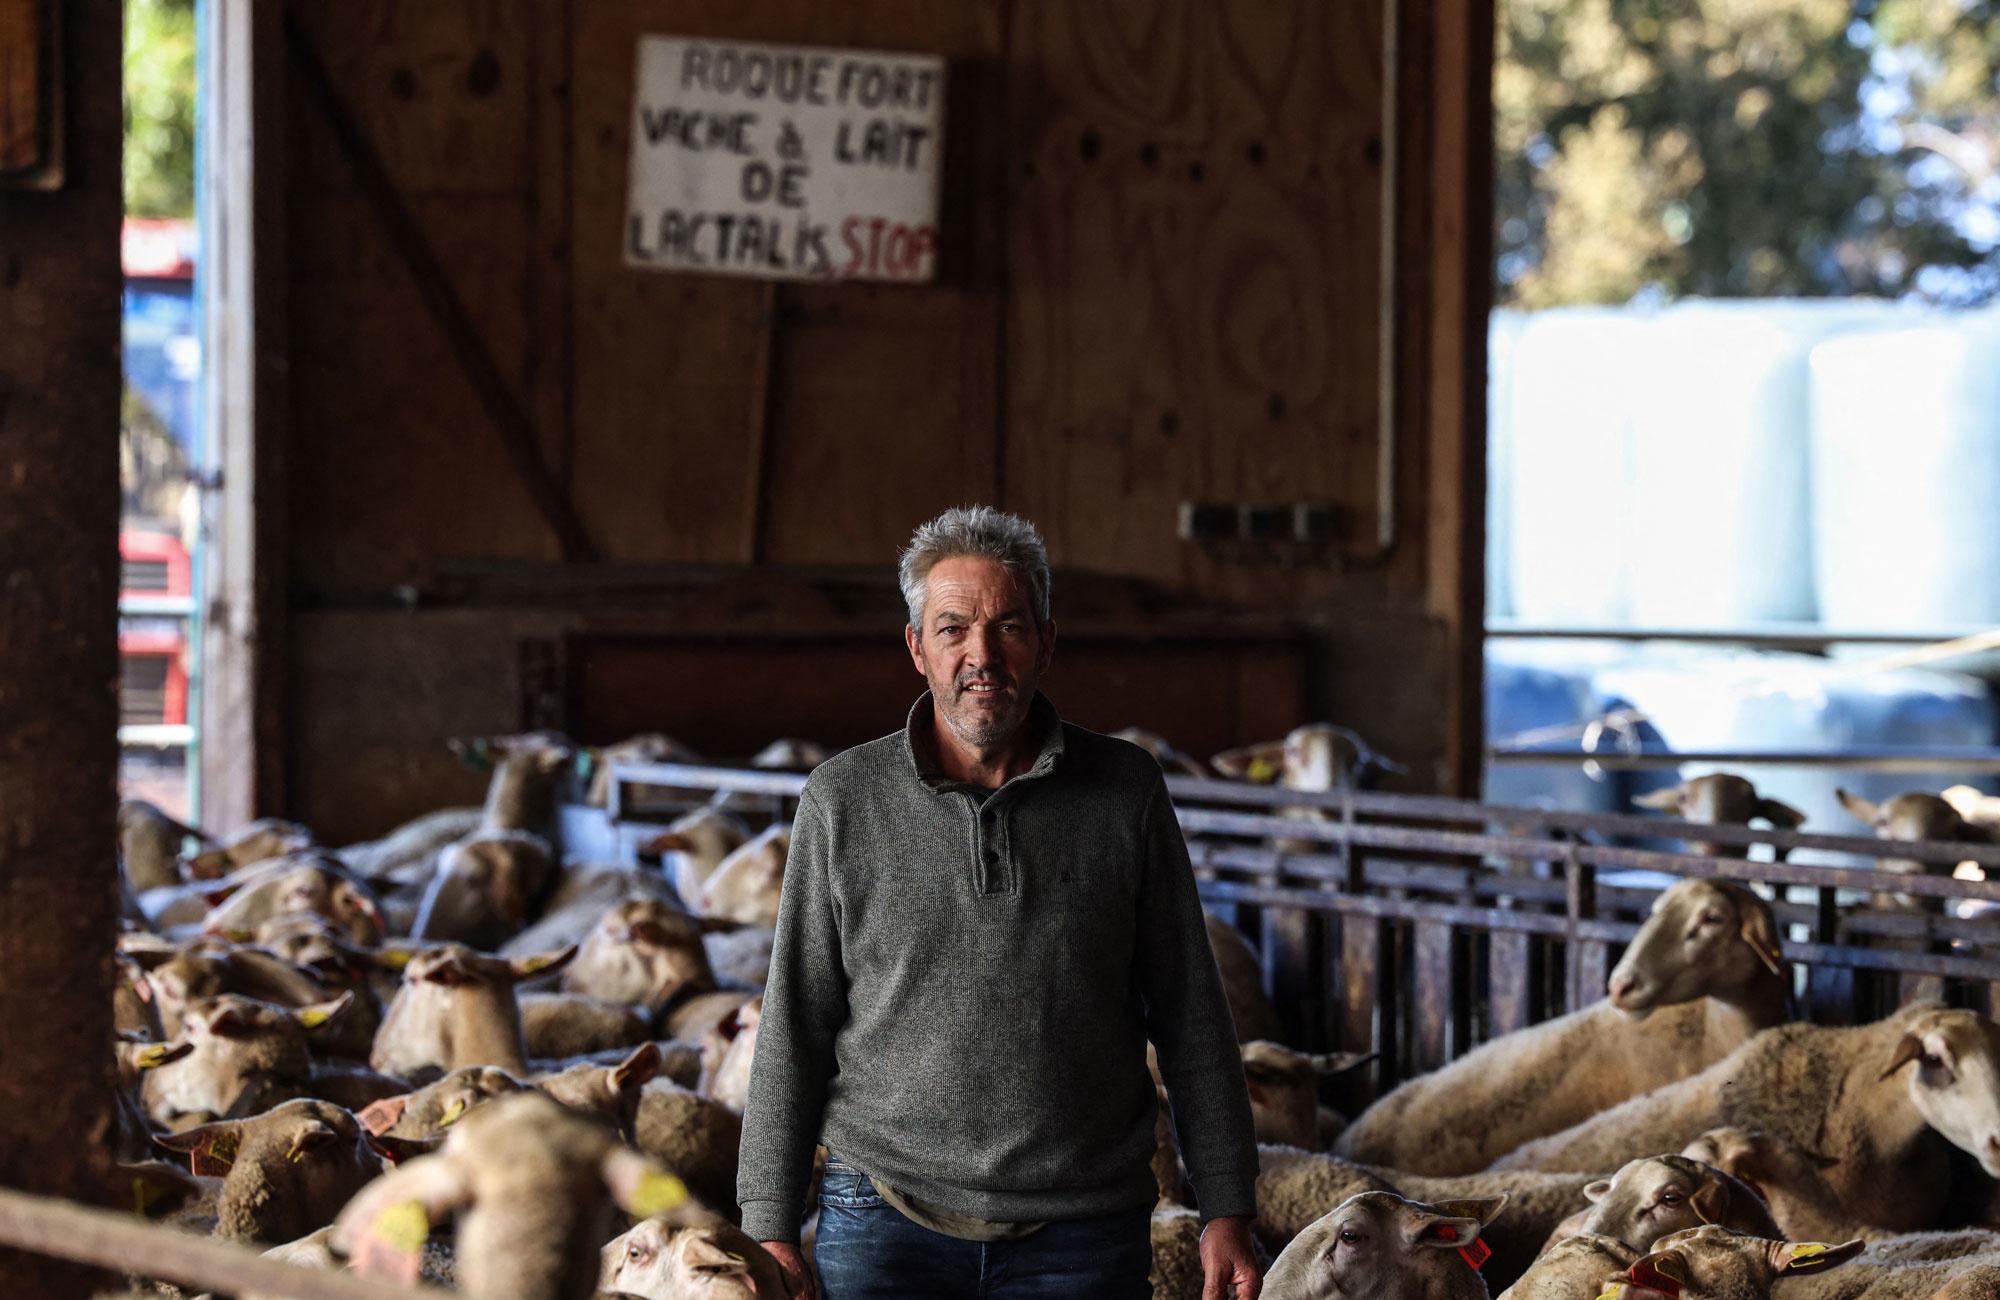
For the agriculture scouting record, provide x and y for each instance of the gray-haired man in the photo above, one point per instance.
(985, 917)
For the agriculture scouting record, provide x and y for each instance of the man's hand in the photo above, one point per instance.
(1229, 1260)
(798, 1276)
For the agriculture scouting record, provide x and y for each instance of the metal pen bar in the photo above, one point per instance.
(1869, 760)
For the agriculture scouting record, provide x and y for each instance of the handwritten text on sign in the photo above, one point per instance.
(785, 161)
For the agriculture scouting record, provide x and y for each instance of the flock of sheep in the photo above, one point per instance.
(449, 1055)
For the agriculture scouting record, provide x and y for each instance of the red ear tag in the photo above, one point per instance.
(1654, 1279)
(1475, 1254)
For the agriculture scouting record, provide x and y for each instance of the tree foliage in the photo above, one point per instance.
(159, 108)
(1746, 148)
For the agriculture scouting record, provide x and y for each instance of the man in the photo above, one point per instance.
(985, 917)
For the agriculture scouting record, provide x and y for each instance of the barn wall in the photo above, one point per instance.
(1163, 278)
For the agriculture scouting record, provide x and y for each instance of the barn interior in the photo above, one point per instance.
(447, 482)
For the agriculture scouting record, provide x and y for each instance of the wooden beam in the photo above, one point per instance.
(60, 288)
(509, 417)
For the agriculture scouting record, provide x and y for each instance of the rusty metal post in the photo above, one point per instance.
(59, 504)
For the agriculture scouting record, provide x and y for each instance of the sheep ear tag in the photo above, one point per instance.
(1659, 1273)
(215, 1157)
(392, 1244)
(1474, 1255)
(452, 1113)
(657, 1193)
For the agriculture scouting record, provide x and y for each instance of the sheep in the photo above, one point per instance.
(208, 968)
(533, 1187)
(1701, 977)
(311, 882)
(746, 884)
(644, 953)
(727, 1052)
(609, 1091)
(570, 1024)
(1913, 816)
(313, 1251)
(486, 888)
(663, 1260)
(1318, 756)
(1296, 1188)
(285, 1172)
(647, 747)
(408, 854)
(132, 1131)
(1284, 1093)
(435, 1107)
(260, 841)
(1242, 981)
(1721, 799)
(697, 1137)
(582, 895)
(740, 956)
(1381, 1246)
(784, 755)
(1647, 1199)
(246, 1054)
(150, 844)
(1173, 761)
(457, 1007)
(698, 841)
(1177, 1272)
(1575, 1268)
(1713, 1263)
(521, 795)
(133, 1007)
(1841, 1092)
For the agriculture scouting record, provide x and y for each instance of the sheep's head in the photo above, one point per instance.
(746, 886)
(309, 882)
(242, 1049)
(1649, 1198)
(485, 888)
(1170, 759)
(1576, 1266)
(1721, 799)
(430, 1110)
(708, 1261)
(641, 952)
(1954, 1077)
(1377, 1244)
(1318, 757)
(213, 968)
(457, 1007)
(1704, 937)
(611, 1091)
(1284, 1089)
(1713, 1261)
(1914, 816)
(260, 841)
(728, 1049)
(285, 1172)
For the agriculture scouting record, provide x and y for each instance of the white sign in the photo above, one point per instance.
(784, 161)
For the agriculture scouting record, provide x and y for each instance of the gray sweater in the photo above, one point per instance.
(961, 993)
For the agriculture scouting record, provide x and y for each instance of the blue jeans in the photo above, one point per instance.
(867, 1250)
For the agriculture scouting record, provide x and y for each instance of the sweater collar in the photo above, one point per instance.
(1042, 721)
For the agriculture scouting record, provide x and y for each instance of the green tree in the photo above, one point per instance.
(1742, 147)
(159, 108)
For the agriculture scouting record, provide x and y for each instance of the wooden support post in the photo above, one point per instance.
(60, 289)
(1366, 1023)
(1437, 999)
(1588, 958)
(1507, 976)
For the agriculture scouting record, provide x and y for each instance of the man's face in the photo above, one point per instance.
(979, 648)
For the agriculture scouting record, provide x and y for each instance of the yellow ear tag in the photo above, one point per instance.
(540, 962)
(151, 1056)
(656, 1194)
(314, 1017)
(403, 1226)
(395, 958)
(239, 936)
(1616, 1291)
(143, 1195)
(1262, 769)
(1806, 1254)
(452, 1112)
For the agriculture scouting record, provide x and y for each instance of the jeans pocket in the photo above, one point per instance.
(845, 1186)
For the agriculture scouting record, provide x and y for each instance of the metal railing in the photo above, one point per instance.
(1419, 926)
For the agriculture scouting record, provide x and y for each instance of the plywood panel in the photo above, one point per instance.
(871, 405)
(1193, 255)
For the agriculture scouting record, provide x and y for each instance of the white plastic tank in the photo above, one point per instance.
(1906, 476)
